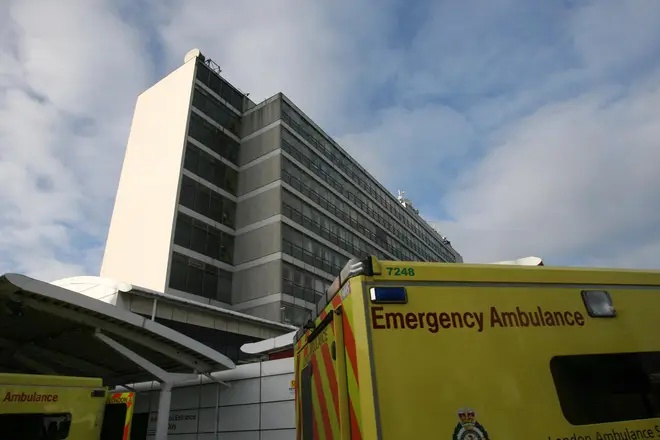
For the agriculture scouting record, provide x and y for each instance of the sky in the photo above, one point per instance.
(518, 128)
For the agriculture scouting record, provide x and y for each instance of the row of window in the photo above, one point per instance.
(207, 202)
(196, 235)
(213, 138)
(221, 87)
(202, 164)
(362, 179)
(320, 168)
(217, 111)
(308, 186)
(305, 248)
(312, 219)
(199, 278)
(294, 315)
(302, 284)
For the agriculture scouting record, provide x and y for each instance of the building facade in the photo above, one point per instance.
(247, 206)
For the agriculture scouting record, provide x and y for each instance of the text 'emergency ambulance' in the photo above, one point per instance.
(434, 321)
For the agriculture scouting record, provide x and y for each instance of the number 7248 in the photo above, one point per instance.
(401, 271)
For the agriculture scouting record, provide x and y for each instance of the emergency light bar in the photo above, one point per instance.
(599, 303)
(388, 295)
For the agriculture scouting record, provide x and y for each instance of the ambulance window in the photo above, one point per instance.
(114, 420)
(605, 388)
(35, 426)
(306, 403)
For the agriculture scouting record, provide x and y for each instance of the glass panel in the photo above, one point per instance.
(606, 388)
(198, 240)
(35, 426)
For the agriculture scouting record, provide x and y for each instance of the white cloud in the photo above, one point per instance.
(576, 178)
(68, 82)
(533, 128)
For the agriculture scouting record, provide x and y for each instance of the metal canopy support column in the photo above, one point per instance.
(167, 380)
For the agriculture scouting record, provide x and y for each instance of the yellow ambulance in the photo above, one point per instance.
(402, 350)
(36, 407)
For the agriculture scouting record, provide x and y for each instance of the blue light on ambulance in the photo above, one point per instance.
(390, 295)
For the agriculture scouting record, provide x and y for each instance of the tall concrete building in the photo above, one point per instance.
(247, 206)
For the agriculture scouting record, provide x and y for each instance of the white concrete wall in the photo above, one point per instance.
(259, 405)
(140, 236)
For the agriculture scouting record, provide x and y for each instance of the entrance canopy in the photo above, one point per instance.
(46, 329)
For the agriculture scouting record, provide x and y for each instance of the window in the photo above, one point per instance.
(304, 248)
(205, 239)
(217, 111)
(35, 426)
(605, 388)
(209, 168)
(294, 315)
(114, 421)
(308, 415)
(302, 284)
(213, 138)
(220, 87)
(196, 277)
(207, 202)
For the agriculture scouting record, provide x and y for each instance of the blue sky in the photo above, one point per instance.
(519, 128)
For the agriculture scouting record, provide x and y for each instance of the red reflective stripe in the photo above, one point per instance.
(355, 427)
(349, 342)
(332, 377)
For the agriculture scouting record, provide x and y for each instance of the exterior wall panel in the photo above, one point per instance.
(258, 405)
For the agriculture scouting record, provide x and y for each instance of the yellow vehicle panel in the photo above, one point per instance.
(473, 359)
(477, 351)
(42, 403)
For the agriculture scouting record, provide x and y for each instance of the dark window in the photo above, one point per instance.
(187, 196)
(204, 132)
(305, 249)
(203, 238)
(224, 286)
(195, 280)
(183, 230)
(605, 388)
(207, 202)
(217, 111)
(306, 402)
(193, 276)
(220, 87)
(210, 169)
(114, 421)
(210, 285)
(35, 426)
(178, 272)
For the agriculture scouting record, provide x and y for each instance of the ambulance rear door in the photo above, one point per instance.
(118, 416)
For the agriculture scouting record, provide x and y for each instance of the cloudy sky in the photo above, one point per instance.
(520, 127)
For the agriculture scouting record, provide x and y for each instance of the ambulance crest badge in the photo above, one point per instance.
(468, 428)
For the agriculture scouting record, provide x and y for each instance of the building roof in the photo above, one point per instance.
(48, 329)
(104, 289)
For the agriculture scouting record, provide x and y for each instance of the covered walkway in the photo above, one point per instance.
(46, 329)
